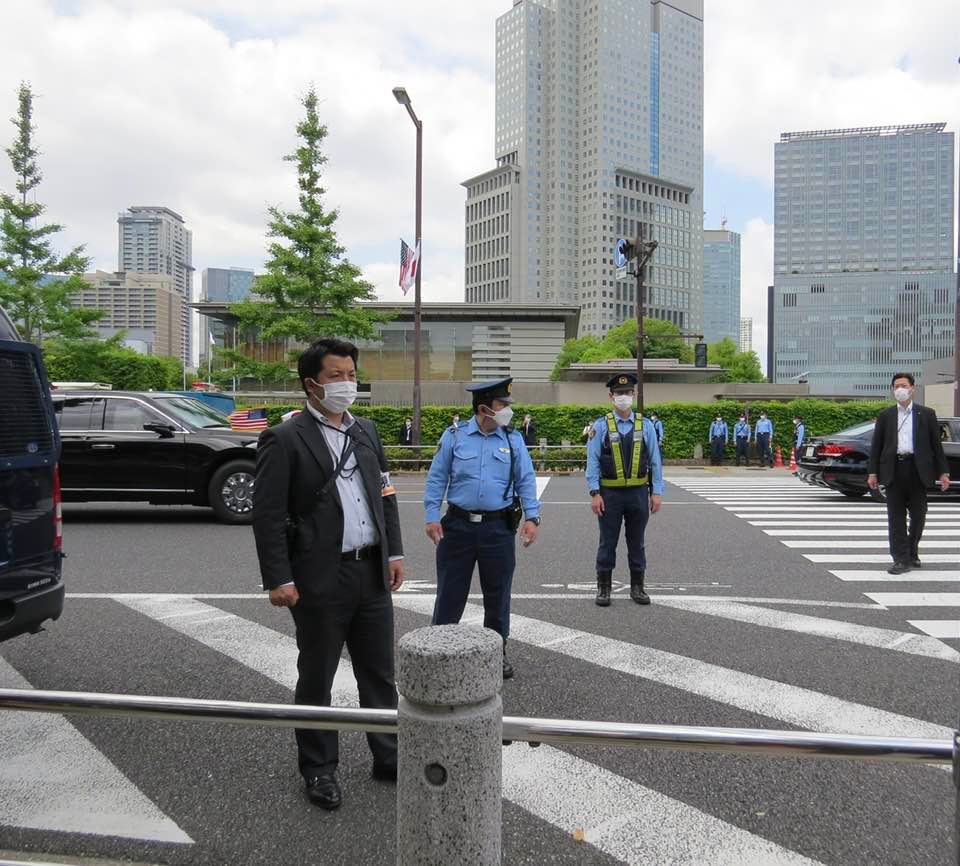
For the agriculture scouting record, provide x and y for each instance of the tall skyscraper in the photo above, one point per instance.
(599, 135)
(155, 240)
(746, 334)
(863, 257)
(721, 285)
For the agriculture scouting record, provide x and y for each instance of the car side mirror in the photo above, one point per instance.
(165, 431)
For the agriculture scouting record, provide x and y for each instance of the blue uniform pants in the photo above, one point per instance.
(763, 446)
(743, 450)
(491, 546)
(630, 507)
(718, 445)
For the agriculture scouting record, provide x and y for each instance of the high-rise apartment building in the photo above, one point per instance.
(863, 258)
(155, 240)
(721, 285)
(745, 343)
(599, 135)
(220, 285)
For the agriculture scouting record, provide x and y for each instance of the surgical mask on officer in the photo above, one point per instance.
(742, 419)
(503, 416)
(337, 396)
(902, 394)
(622, 401)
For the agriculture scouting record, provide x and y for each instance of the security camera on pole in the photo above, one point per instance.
(633, 257)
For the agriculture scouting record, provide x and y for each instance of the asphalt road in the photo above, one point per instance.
(749, 627)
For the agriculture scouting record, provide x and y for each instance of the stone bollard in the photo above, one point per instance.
(698, 452)
(450, 733)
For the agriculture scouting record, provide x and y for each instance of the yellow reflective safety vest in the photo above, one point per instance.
(612, 472)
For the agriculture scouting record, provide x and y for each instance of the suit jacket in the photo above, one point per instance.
(293, 465)
(406, 436)
(529, 433)
(928, 454)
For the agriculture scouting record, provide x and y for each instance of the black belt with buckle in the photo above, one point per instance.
(905, 457)
(361, 553)
(476, 516)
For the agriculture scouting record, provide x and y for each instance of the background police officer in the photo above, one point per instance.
(800, 432)
(480, 466)
(741, 438)
(658, 429)
(719, 436)
(764, 436)
(620, 466)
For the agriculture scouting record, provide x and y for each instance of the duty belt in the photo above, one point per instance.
(476, 516)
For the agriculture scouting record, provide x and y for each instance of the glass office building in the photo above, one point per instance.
(721, 285)
(863, 255)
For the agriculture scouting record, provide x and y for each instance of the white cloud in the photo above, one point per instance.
(756, 273)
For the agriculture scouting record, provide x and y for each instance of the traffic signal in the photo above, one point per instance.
(700, 355)
(625, 251)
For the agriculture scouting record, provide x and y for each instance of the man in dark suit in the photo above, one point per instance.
(327, 530)
(906, 457)
(529, 431)
(406, 432)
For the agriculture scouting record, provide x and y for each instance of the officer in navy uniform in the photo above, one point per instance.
(625, 480)
(480, 466)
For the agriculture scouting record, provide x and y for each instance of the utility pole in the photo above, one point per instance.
(643, 252)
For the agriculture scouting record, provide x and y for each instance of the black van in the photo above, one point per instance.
(31, 589)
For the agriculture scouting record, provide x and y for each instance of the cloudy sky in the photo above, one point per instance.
(191, 104)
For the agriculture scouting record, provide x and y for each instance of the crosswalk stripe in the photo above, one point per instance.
(915, 599)
(877, 519)
(845, 524)
(873, 558)
(878, 543)
(542, 482)
(627, 821)
(833, 509)
(939, 628)
(881, 638)
(269, 653)
(924, 575)
(791, 704)
(54, 778)
(853, 533)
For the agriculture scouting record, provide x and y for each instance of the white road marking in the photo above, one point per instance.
(54, 778)
(835, 509)
(923, 575)
(879, 516)
(794, 705)
(941, 628)
(878, 543)
(627, 821)
(915, 599)
(854, 533)
(880, 638)
(542, 482)
(814, 525)
(872, 558)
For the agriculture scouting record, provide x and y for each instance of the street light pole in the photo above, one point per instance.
(401, 95)
(644, 251)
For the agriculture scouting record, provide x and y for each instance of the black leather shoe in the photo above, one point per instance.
(323, 791)
(637, 592)
(899, 568)
(604, 584)
(507, 669)
(384, 772)
(915, 562)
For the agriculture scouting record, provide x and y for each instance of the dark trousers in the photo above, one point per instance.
(360, 614)
(763, 446)
(743, 450)
(629, 507)
(906, 493)
(491, 547)
(717, 446)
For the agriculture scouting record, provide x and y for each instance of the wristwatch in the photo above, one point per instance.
(534, 520)
(594, 492)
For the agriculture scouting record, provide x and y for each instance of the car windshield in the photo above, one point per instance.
(193, 412)
(856, 430)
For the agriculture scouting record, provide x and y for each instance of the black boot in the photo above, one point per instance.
(604, 580)
(637, 592)
(507, 667)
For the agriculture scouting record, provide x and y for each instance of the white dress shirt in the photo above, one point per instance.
(905, 428)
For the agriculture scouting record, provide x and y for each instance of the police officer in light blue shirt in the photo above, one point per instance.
(625, 481)
(741, 439)
(658, 429)
(482, 467)
(799, 430)
(719, 436)
(763, 433)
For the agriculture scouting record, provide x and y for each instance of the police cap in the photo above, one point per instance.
(622, 381)
(493, 389)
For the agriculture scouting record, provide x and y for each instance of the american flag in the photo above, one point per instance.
(409, 262)
(248, 419)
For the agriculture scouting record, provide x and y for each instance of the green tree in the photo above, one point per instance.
(572, 352)
(738, 366)
(310, 289)
(83, 360)
(36, 283)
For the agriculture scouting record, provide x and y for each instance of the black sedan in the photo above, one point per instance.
(124, 446)
(839, 461)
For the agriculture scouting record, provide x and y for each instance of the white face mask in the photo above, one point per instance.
(338, 396)
(623, 401)
(902, 394)
(503, 416)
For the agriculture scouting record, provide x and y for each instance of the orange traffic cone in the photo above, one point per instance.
(793, 459)
(778, 459)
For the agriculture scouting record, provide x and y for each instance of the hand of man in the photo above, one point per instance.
(284, 596)
(396, 574)
(655, 503)
(944, 482)
(872, 482)
(596, 503)
(434, 532)
(528, 533)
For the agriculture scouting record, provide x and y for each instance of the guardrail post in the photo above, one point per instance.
(450, 724)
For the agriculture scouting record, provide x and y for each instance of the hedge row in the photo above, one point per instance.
(685, 424)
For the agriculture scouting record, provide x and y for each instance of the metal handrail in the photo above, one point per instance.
(769, 743)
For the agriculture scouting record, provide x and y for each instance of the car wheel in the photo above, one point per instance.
(854, 494)
(231, 492)
(878, 495)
